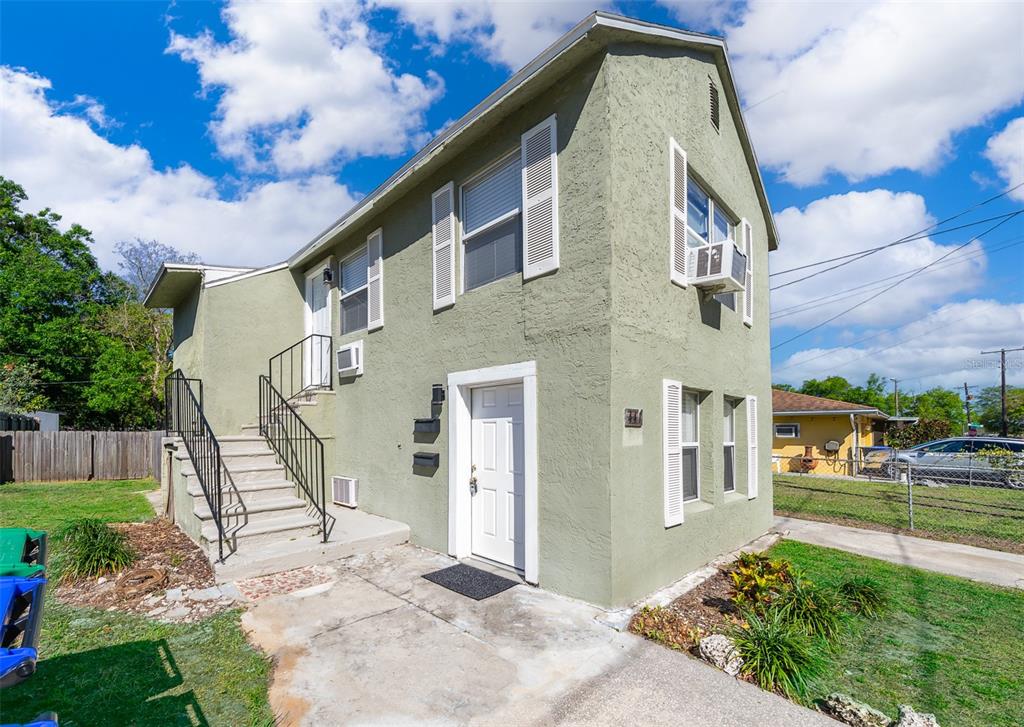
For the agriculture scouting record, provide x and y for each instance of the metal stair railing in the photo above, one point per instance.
(302, 367)
(183, 416)
(299, 449)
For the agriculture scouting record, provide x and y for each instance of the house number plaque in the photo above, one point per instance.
(634, 418)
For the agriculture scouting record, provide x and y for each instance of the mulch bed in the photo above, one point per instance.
(704, 610)
(168, 559)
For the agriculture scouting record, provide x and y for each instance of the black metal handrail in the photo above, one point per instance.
(299, 449)
(183, 416)
(302, 367)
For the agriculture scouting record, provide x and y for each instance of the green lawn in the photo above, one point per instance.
(986, 516)
(48, 505)
(103, 667)
(947, 645)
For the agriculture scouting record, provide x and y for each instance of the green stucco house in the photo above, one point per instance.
(542, 343)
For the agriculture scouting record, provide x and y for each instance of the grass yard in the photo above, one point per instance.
(984, 516)
(946, 645)
(106, 667)
(48, 505)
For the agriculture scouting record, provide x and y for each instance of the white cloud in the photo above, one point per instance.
(942, 349)
(865, 88)
(703, 15)
(304, 84)
(845, 223)
(1006, 152)
(116, 192)
(505, 33)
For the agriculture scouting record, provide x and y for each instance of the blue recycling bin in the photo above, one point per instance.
(46, 719)
(21, 618)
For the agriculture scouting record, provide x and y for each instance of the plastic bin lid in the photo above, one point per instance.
(12, 543)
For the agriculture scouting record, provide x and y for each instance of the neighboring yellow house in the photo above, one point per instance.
(835, 431)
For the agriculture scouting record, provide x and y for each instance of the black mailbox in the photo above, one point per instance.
(426, 459)
(429, 425)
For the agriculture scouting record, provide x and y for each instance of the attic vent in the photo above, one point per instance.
(713, 96)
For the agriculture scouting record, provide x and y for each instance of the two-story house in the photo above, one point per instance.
(543, 342)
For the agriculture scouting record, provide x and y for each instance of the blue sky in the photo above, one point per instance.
(240, 131)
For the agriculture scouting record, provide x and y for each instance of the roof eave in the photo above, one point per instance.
(499, 96)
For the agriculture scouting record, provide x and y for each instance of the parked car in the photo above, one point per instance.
(989, 461)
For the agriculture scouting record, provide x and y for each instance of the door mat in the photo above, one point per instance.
(471, 582)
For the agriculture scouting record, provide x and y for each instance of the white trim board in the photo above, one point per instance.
(460, 427)
(243, 276)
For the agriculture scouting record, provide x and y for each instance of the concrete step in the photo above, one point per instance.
(354, 532)
(251, 492)
(252, 513)
(245, 474)
(255, 537)
(240, 456)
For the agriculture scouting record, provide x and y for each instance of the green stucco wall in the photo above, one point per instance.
(604, 330)
(561, 321)
(660, 330)
(227, 334)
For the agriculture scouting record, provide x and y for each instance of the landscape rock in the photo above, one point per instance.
(173, 594)
(205, 594)
(858, 714)
(910, 718)
(720, 650)
(101, 580)
(177, 613)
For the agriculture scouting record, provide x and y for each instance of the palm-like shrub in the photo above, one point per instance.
(814, 610)
(88, 547)
(760, 580)
(864, 596)
(778, 654)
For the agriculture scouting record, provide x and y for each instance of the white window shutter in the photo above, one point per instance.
(539, 152)
(375, 280)
(678, 251)
(672, 412)
(752, 461)
(442, 204)
(748, 282)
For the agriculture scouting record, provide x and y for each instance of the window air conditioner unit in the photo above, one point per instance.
(344, 491)
(719, 267)
(350, 359)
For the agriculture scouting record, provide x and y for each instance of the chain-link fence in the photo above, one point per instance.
(977, 500)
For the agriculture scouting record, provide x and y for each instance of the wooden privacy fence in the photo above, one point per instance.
(67, 455)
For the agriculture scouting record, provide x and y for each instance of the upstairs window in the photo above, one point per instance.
(491, 224)
(706, 221)
(354, 312)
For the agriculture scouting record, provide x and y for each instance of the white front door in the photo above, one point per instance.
(316, 369)
(498, 469)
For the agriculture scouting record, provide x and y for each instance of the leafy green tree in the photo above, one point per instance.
(119, 395)
(936, 404)
(20, 389)
(923, 430)
(784, 387)
(987, 404)
(837, 387)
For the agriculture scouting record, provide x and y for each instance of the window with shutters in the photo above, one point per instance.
(706, 220)
(354, 309)
(492, 242)
(690, 445)
(729, 445)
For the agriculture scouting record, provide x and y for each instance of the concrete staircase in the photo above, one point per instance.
(268, 526)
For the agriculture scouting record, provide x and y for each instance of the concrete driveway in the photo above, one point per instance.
(382, 646)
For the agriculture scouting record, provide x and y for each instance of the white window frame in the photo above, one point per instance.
(795, 435)
(712, 205)
(464, 236)
(695, 445)
(364, 248)
(729, 439)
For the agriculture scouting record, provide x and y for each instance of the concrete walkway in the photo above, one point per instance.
(382, 646)
(966, 561)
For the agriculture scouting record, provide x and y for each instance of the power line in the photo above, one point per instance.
(841, 295)
(890, 287)
(919, 232)
(863, 254)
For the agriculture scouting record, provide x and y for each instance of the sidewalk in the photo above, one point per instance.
(965, 561)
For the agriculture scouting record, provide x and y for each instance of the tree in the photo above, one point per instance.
(784, 387)
(836, 387)
(51, 290)
(20, 390)
(988, 406)
(924, 430)
(119, 395)
(937, 404)
(141, 260)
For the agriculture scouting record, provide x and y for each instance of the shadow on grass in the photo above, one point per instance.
(136, 683)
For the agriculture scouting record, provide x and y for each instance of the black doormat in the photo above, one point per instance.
(468, 581)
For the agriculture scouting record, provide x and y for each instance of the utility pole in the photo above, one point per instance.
(896, 394)
(1004, 424)
(967, 404)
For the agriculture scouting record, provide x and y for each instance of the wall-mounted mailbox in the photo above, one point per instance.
(426, 459)
(430, 425)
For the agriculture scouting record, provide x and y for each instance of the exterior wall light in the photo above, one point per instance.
(328, 275)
